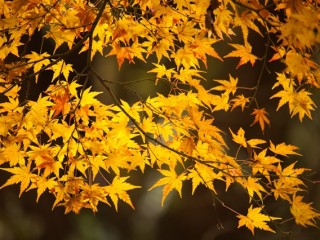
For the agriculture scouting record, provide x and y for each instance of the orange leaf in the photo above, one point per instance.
(261, 117)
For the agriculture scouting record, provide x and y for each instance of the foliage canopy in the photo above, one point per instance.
(83, 151)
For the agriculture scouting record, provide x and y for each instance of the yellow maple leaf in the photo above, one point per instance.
(129, 53)
(264, 164)
(253, 186)
(97, 163)
(202, 46)
(13, 154)
(261, 117)
(204, 175)
(286, 96)
(67, 36)
(88, 97)
(302, 105)
(284, 149)
(220, 102)
(304, 214)
(161, 71)
(279, 53)
(284, 189)
(239, 137)
(299, 102)
(38, 61)
(255, 141)
(160, 47)
(171, 181)
(239, 101)
(189, 75)
(286, 82)
(20, 175)
(243, 52)
(93, 194)
(61, 68)
(289, 182)
(118, 190)
(227, 86)
(256, 219)
(42, 183)
(185, 57)
(291, 174)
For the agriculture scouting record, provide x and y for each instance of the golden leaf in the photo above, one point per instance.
(171, 181)
(244, 53)
(256, 219)
(284, 149)
(118, 190)
(304, 214)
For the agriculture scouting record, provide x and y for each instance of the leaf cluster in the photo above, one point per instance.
(83, 152)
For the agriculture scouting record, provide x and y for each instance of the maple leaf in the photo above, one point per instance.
(185, 57)
(291, 174)
(38, 114)
(254, 142)
(284, 149)
(280, 52)
(284, 189)
(239, 137)
(118, 190)
(189, 75)
(61, 68)
(20, 175)
(289, 181)
(287, 83)
(88, 97)
(202, 46)
(60, 192)
(204, 175)
(286, 96)
(38, 61)
(171, 181)
(227, 86)
(73, 203)
(302, 105)
(244, 52)
(93, 194)
(60, 37)
(223, 22)
(256, 219)
(160, 47)
(264, 164)
(239, 101)
(260, 116)
(129, 53)
(43, 183)
(299, 102)
(304, 214)
(12, 153)
(96, 162)
(252, 185)
(161, 71)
